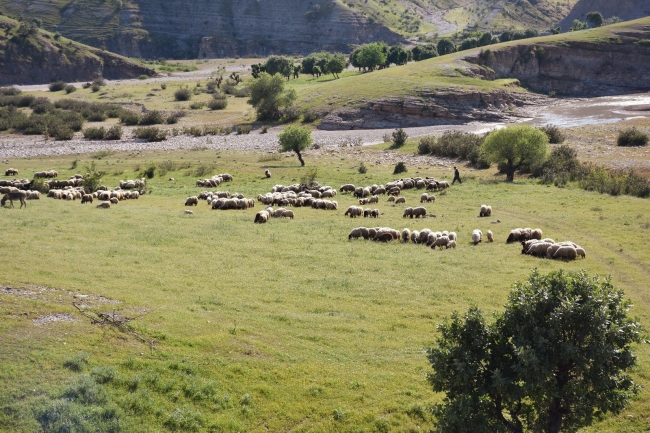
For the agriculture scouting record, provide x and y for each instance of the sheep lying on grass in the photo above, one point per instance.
(104, 205)
(546, 248)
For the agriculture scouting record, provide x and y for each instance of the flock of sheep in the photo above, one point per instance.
(215, 180)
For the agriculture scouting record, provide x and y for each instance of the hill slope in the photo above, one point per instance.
(226, 28)
(489, 85)
(32, 56)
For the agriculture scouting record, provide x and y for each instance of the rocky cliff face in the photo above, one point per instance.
(434, 108)
(37, 58)
(227, 28)
(618, 65)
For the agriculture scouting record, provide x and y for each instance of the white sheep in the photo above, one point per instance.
(189, 212)
(490, 236)
(477, 236)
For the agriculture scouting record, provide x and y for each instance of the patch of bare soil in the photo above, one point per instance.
(49, 318)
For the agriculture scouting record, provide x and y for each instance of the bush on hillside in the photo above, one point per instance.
(632, 137)
(57, 86)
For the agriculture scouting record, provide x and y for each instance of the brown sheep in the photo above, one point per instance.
(419, 212)
(104, 205)
(86, 198)
(400, 200)
(267, 173)
(192, 201)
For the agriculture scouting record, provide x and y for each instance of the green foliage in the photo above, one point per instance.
(57, 86)
(184, 419)
(129, 118)
(244, 129)
(163, 86)
(323, 63)
(94, 133)
(10, 91)
(70, 88)
(77, 362)
(295, 139)
(279, 65)
(594, 19)
(150, 133)
(632, 137)
(399, 138)
(398, 56)
(370, 56)
(310, 116)
(577, 25)
(445, 46)
(614, 182)
(183, 94)
(153, 117)
(554, 134)
(198, 105)
(218, 102)
(400, 167)
(113, 133)
(516, 146)
(92, 178)
(561, 167)
(555, 358)
(104, 374)
(143, 77)
(268, 96)
(362, 168)
(456, 144)
(423, 52)
(149, 172)
(426, 144)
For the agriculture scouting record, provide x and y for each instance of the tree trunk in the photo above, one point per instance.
(554, 417)
(510, 172)
(300, 158)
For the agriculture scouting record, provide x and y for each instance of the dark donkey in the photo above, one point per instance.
(14, 195)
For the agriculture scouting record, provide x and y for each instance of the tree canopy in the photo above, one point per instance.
(295, 139)
(268, 96)
(369, 56)
(445, 46)
(423, 52)
(324, 63)
(516, 146)
(279, 65)
(554, 360)
(595, 19)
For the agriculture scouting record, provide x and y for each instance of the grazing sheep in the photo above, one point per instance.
(364, 201)
(536, 234)
(11, 172)
(490, 236)
(419, 212)
(86, 198)
(477, 236)
(415, 236)
(406, 235)
(366, 213)
(192, 201)
(400, 200)
(441, 242)
(374, 213)
(514, 236)
(565, 252)
(380, 190)
(581, 252)
(391, 198)
(104, 205)
(453, 236)
(33, 195)
(287, 214)
(354, 211)
(408, 212)
(486, 211)
(189, 212)
(451, 244)
(348, 187)
(262, 217)
(355, 233)
(114, 200)
(424, 236)
(384, 237)
(373, 199)
(267, 173)
(358, 192)
(372, 232)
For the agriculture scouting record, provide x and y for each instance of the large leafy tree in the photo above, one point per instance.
(554, 360)
(279, 65)
(268, 95)
(445, 46)
(515, 147)
(295, 139)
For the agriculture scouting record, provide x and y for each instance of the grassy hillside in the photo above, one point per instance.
(279, 327)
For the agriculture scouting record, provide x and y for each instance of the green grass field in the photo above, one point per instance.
(279, 327)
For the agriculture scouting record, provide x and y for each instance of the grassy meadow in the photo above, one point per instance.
(285, 326)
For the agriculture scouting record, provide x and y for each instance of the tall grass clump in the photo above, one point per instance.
(219, 101)
(153, 117)
(183, 94)
(398, 138)
(632, 137)
(77, 362)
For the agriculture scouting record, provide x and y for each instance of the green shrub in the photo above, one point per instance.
(290, 114)
(99, 81)
(86, 86)
(244, 129)
(183, 94)
(77, 362)
(555, 134)
(362, 168)
(57, 86)
(310, 116)
(94, 133)
(399, 138)
(463, 145)
(153, 117)
(104, 374)
(195, 131)
(129, 118)
(632, 137)
(218, 102)
(95, 88)
(61, 132)
(143, 77)
(41, 105)
(70, 89)
(171, 120)
(198, 105)
(425, 145)
(150, 133)
(163, 86)
(184, 419)
(400, 167)
(10, 91)
(113, 133)
(85, 390)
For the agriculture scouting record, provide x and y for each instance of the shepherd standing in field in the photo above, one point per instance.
(456, 176)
